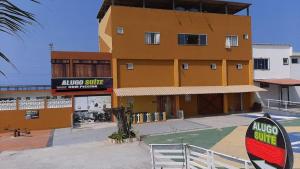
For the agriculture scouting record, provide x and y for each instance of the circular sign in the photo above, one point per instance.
(268, 145)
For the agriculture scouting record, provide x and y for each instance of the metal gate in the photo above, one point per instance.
(185, 156)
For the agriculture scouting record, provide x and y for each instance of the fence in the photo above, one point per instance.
(8, 105)
(35, 104)
(282, 104)
(185, 156)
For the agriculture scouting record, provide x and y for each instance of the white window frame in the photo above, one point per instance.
(229, 42)
(148, 38)
(285, 63)
(269, 64)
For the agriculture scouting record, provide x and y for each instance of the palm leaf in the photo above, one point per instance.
(12, 21)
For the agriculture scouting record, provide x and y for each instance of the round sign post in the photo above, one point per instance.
(268, 145)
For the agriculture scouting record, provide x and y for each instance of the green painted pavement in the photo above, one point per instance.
(292, 123)
(202, 138)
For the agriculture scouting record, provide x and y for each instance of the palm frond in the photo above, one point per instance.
(3, 74)
(13, 19)
(8, 61)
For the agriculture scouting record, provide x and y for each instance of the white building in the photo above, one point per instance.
(277, 69)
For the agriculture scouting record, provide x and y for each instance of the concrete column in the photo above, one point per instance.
(176, 72)
(176, 84)
(251, 81)
(225, 103)
(224, 72)
(115, 81)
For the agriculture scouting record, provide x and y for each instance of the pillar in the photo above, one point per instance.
(225, 103)
(176, 84)
(251, 72)
(115, 81)
(224, 72)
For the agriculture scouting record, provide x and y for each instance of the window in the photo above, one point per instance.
(213, 66)
(120, 30)
(285, 61)
(261, 64)
(192, 39)
(185, 66)
(264, 85)
(129, 66)
(32, 114)
(239, 66)
(152, 38)
(294, 60)
(246, 36)
(232, 41)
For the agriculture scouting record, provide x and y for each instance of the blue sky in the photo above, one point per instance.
(72, 25)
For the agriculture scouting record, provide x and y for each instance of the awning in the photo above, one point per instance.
(283, 82)
(160, 91)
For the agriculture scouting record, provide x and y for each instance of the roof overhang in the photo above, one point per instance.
(190, 90)
(282, 82)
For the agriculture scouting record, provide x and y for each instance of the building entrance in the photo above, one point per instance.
(89, 109)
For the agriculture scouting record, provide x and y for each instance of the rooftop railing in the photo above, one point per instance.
(25, 87)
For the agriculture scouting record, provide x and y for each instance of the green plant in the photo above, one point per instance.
(118, 136)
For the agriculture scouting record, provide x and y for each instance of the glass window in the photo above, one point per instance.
(192, 39)
(129, 66)
(285, 61)
(213, 66)
(185, 66)
(152, 38)
(261, 64)
(232, 41)
(294, 60)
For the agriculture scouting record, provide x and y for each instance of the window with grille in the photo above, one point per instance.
(232, 41)
(152, 38)
(192, 39)
(261, 64)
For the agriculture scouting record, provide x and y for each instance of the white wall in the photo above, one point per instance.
(275, 53)
(295, 69)
(272, 93)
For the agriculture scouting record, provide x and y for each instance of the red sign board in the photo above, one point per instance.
(268, 145)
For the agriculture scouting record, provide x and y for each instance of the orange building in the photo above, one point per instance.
(86, 78)
(189, 55)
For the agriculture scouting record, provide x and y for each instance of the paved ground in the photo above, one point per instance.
(37, 139)
(94, 155)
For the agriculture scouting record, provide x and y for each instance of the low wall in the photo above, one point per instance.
(48, 119)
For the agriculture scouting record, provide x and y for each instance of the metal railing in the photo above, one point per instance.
(185, 156)
(35, 104)
(25, 87)
(59, 103)
(31, 104)
(8, 105)
(282, 104)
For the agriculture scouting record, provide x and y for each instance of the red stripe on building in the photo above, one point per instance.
(269, 153)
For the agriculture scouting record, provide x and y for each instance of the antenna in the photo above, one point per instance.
(51, 46)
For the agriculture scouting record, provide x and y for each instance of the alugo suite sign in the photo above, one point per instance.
(81, 84)
(268, 145)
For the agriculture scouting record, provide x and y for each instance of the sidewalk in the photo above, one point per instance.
(95, 155)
